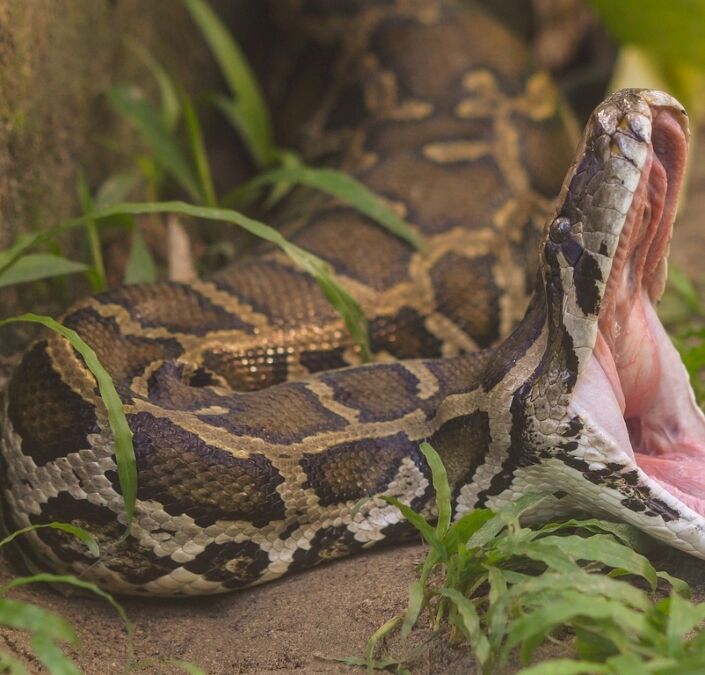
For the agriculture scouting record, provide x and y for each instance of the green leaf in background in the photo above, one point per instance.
(246, 110)
(668, 46)
(124, 451)
(347, 189)
(141, 267)
(96, 276)
(340, 299)
(198, 150)
(34, 266)
(146, 119)
(673, 30)
(116, 187)
(441, 487)
(170, 106)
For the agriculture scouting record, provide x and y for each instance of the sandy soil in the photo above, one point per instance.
(295, 624)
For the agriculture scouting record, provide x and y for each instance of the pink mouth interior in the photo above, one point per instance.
(635, 370)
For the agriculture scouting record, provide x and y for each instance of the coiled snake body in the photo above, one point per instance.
(250, 460)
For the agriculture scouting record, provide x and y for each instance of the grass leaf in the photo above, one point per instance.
(469, 623)
(141, 267)
(604, 549)
(198, 150)
(34, 266)
(97, 274)
(116, 187)
(340, 299)
(439, 476)
(347, 189)
(565, 667)
(86, 537)
(124, 451)
(70, 580)
(129, 102)
(169, 99)
(246, 110)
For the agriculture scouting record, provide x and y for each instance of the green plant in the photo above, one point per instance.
(497, 585)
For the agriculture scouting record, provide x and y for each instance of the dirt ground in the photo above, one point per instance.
(295, 624)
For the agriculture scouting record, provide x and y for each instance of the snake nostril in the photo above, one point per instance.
(560, 229)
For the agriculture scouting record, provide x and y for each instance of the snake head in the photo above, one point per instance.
(611, 393)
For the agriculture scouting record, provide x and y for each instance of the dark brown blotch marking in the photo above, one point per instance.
(187, 476)
(287, 297)
(379, 392)
(587, 275)
(545, 169)
(424, 188)
(123, 356)
(463, 444)
(467, 294)
(136, 564)
(355, 469)
(327, 544)
(234, 564)
(357, 247)
(404, 335)
(177, 307)
(287, 413)
(49, 416)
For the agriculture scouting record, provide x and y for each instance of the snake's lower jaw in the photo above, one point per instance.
(634, 393)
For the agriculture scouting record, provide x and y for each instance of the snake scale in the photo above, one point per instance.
(531, 358)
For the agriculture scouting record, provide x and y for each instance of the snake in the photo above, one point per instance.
(521, 341)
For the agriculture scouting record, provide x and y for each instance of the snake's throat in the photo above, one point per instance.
(635, 386)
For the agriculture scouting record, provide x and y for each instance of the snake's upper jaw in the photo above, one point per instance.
(633, 393)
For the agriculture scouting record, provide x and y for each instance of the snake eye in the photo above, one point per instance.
(560, 229)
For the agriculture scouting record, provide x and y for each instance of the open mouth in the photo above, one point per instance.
(635, 388)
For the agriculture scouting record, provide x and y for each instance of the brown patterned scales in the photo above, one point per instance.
(249, 466)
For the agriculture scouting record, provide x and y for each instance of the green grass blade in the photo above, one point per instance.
(141, 267)
(626, 534)
(439, 476)
(169, 99)
(490, 529)
(247, 110)
(86, 537)
(568, 606)
(35, 266)
(566, 667)
(145, 118)
(469, 623)
(124, 451)
(56, 662)
(70, 580)
(97, 275)
(340, 299)
(419, 522)
(604, 549)
(117, 187)
(198, 150)
(347, 189)
(380, 633)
